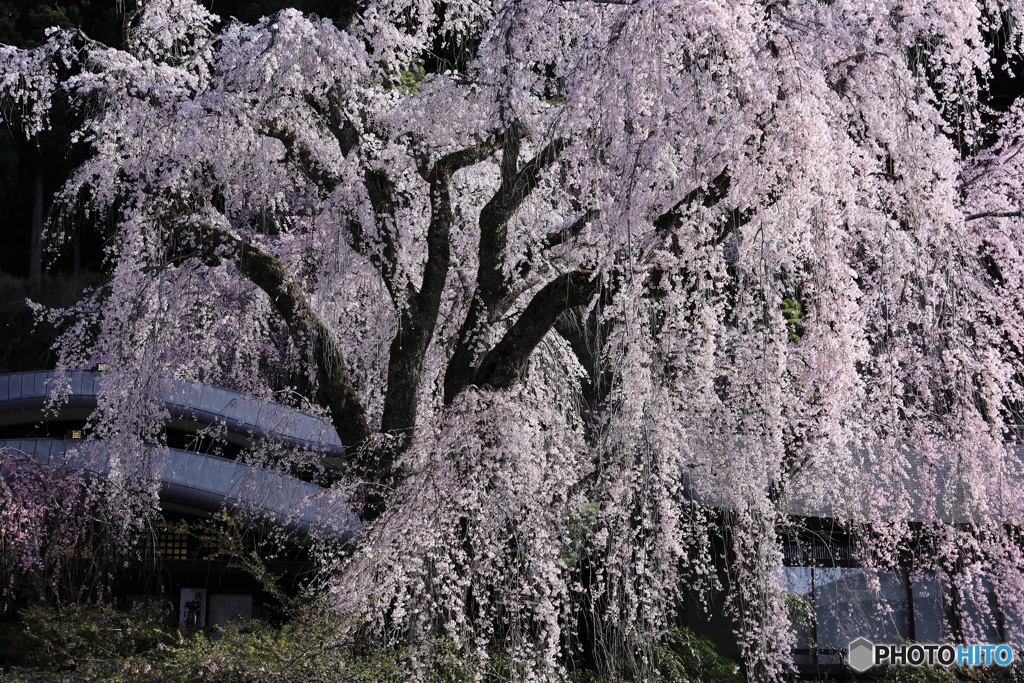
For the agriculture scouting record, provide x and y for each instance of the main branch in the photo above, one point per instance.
(504, 364)
(418, 318)
(335, 390)
(493, 294)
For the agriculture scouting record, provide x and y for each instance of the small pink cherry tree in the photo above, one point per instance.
(46, 523)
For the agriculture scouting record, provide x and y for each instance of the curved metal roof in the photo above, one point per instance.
(24, 396)
(201, 484)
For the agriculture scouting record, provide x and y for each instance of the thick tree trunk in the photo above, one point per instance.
(418, 321)
(335, 391)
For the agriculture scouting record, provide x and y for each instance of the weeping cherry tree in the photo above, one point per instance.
(623, 278)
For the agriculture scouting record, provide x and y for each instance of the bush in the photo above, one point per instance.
(686, 658)
(64, 638)
(86, 643)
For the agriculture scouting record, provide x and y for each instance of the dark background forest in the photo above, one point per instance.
(33, 170)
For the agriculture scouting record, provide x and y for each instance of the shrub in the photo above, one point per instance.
(87, 643)
(687, 658)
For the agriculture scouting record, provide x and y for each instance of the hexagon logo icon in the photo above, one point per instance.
(862, 655)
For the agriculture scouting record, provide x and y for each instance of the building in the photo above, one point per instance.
(194, 482)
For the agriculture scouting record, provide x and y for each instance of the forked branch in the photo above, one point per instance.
(503, 365)
(493, 294)
(516, 186)
(418, 318)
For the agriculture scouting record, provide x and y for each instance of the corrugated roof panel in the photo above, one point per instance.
(244, 415)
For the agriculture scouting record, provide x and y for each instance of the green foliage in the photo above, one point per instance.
(581, 523)
(919, 674)
(680, 656)
(686, 658)
(23, 23)
(801, 611)
(61, 637)
(793, 312)
(88, 643)
(98, 643)
(409, 79)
